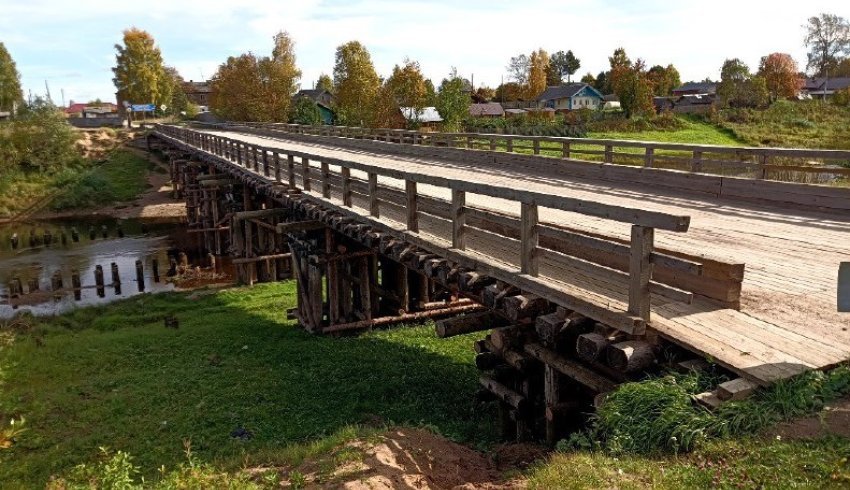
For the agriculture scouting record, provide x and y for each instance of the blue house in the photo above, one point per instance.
(570, 97)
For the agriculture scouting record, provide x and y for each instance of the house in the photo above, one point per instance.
(694, 103)
(198, 93)
(487, 109)
(318, 95)
(570, 97)
(428, 117)
(514, 112)
(820, 87)
(611, 102)
(105, 109)
(695, 88)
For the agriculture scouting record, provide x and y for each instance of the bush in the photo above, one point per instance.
(38, 139)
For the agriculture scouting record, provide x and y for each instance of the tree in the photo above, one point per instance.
(827, 38)
(738, 88)
(140, 75)
(632, 87)
(603, 82)
(779, 71)
(589, 79)
(356, 84)
(325, 83)
(538, 63)
(179, 101)
(452, 101)
(663, 80)
(518, 68)
(485, 93)
(251, 88)
(11, 94)
(305, 111)
(842, 69)
(563, 65)
(407, 86)
(509, 92)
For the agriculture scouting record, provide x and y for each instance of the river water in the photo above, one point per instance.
(41, 252)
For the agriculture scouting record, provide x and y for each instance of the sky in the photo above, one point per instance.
(70, 44)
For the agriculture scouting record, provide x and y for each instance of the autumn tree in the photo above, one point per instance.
(509, 92)
(485, 93)
(356, 84)
(538, 64)
(780, 74)
(663, 79)
(140, 76)
(179, 101)
(252, 88)
(632, 87)
(453, 101)
(738, 87)
(589, 79)
(828, 40)
(621, 65)
(407, 86)
(562, 65)
(325, 82)
(11, 94)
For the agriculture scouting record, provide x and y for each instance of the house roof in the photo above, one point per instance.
(696, 99)
(839, 83)
(564, 91)
(193, 87)
(515, 111)
(701, 87)
(313, 93)
(426, 115)
(74, 108)
(611, 98)
(486, 109)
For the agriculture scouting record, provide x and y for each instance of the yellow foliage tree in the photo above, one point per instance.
(538, 67)
(356, 85)
(140, 76)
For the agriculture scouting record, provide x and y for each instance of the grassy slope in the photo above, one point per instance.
(122, 177)
(114, 376)
(810, 124)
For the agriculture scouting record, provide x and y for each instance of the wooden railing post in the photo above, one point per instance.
(239, 154)
(458, 219)
(509, 144)
(276, 167)
(536, 143)
(697, 163)
(346, 186)
(374, 209)
(609, 154)
(640, 270)
(326, 180)
(469, 142)
(290, 170)
(565, 149)
(492, 143)
(305, 172)
(254, 154)
(266, 171)
(412, 212)
(764, 160)
(529, 239)
(649, 157)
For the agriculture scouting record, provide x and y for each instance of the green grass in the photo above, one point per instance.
(122, 177)
(809, 124)
(693, 131)
(114, 376)
(743, 463)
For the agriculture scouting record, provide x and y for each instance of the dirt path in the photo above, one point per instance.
(834, 420)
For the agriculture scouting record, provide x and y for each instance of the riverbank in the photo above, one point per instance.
(237, 395)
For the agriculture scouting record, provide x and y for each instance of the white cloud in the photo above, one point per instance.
(48, 38)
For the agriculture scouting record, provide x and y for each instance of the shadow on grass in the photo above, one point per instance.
(236, 379)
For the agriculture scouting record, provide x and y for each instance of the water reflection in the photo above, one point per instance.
(46, 250)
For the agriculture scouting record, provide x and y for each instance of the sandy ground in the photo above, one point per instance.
(417, 459)
(833, 420)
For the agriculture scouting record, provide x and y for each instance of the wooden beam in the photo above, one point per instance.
(640, 271)
(300, 226)
(406, 317)
(248, 260)
(412, 212)
(529, 240)
(573, 370)
(458, 217)
(259, 213)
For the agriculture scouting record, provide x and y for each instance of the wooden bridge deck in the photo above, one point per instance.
(788, 321)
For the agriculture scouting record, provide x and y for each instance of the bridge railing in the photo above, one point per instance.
(781, 164)
(302, 170)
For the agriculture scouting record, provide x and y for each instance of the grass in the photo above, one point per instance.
(693, 131)
(742, 463)
(113, 376)
(121, 177)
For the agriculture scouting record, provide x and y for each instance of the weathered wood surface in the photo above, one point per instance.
(791, 253)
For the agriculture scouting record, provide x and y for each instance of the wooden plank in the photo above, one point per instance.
(346, 186)
(736, 389)
(374, 209)
(300, 226)
(530, 240)
(458, 217)
(640, 271)
(412, 212)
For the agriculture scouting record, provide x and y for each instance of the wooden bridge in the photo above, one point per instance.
(591, 272)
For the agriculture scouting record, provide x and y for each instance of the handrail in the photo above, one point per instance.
(761, 160)
(279, 165)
